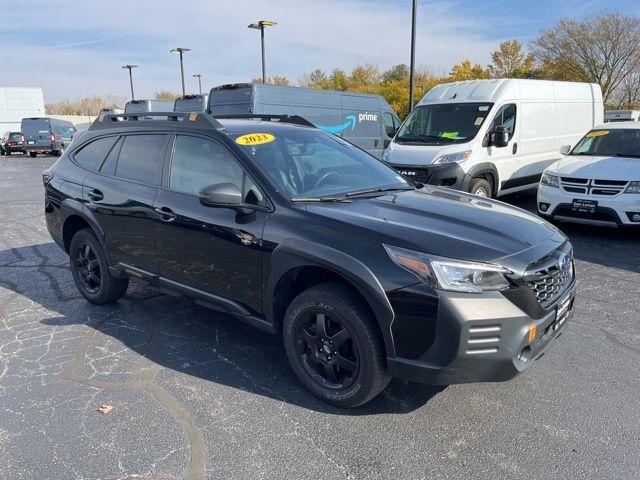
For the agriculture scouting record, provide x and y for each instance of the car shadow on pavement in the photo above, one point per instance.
(179, 335)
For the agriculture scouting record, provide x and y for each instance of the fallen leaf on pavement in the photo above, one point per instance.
(105, 409)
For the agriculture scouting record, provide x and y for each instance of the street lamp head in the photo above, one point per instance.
(260, 24)
(197, 75)
(130, 66)
(180, 50)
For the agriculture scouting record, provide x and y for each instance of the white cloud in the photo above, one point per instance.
(92, 40)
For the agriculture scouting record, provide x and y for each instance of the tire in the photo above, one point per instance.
(364, 374)
(32, 154)
(481, 187)
(91, 271)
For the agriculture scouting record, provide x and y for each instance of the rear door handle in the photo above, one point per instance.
(515, 148)
(166, 214)
(95, 195)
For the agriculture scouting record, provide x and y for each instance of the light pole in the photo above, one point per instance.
(199, 76)
(130, 67)
(260, 25)
(180, 51)
(413, 52)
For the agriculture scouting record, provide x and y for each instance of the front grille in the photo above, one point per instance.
(549, 277)
(418, 174)
(590, 186)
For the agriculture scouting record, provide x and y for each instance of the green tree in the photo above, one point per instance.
(465, 70)
(509, 61)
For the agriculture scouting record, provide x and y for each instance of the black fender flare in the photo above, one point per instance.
(72, 207)
(294, 253)
(479, 169)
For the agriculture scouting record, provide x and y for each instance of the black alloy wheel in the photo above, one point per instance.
(327, 351)
(88, 268)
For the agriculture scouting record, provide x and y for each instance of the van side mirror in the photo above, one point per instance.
(565, 149)
(221, 195)
(386, 142)
(499, 137)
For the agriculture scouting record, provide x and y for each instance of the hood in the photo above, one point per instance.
(601, 168)
(443, 222)
(403, 154)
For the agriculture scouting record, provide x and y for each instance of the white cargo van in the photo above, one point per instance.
(492, 137)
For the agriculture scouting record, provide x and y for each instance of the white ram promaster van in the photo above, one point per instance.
(492, 137)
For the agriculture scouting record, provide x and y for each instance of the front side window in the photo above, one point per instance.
(305, 163)
(505, 117)
(91, 156)
(441, 124)
(140, 158)
(617, 142)
(197, 163)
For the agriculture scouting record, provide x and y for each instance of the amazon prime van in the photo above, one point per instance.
(492, 137)
(365, 120)
(622, 116)
(192, 103)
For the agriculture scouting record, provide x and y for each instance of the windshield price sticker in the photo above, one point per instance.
(597, 133)
(255, 139)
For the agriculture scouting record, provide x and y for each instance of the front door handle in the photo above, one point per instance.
(166, 214)
(95, 195)
(515, 148)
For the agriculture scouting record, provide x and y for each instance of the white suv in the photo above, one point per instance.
(598, 182)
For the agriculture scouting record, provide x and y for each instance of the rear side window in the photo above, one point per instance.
(92, 155)
(141, 158)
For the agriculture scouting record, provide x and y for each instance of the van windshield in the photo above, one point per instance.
(445, 123)
(616, 142)
(312, 165)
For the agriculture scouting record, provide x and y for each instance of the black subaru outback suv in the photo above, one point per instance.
(292, 229)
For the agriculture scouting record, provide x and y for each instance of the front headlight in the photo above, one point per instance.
(449, 274)
(633, 187)
(452, 158)
(549, 180)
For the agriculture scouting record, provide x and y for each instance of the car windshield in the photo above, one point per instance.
(443, 123)
(315, 165)
(616, 142)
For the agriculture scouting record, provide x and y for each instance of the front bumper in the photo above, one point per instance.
(611, 211)
(483, 338)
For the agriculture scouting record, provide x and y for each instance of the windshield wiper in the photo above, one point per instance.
(630, 155)
(366, 191)
(320, 199)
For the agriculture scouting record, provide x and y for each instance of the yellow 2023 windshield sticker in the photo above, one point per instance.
(255, 139)
(597, 133)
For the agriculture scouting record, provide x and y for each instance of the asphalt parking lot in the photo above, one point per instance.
(197, 395)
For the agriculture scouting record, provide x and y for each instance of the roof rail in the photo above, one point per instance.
(292, 119)
(195, 119)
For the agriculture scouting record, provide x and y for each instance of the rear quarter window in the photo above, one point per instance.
(91, 156)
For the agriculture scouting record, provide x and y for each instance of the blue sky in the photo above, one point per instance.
(72, 48)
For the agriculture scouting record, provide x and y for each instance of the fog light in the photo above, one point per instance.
(525, 354)
(533, 330)
(634, 216)
(543, 206)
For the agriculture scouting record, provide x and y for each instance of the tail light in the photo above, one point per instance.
(22, 137)
(9, 143)
(53, 139)
(47, 176)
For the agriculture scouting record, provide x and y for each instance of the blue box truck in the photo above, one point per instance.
(365, 120)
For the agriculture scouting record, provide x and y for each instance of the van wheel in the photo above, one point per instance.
(481, 188)
(91, 271)
(334, 346)
(32, 154)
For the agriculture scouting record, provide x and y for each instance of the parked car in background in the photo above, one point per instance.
(296, 231)
(46, 135)
(492, 137)
(11, 142)
(365, 120)
(192, 103)
(598, 181)
(140, 106)
(622, 116)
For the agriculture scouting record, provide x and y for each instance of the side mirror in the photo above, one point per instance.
(565, 149)
(386, 142)
(222, 195)
(499, 137)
